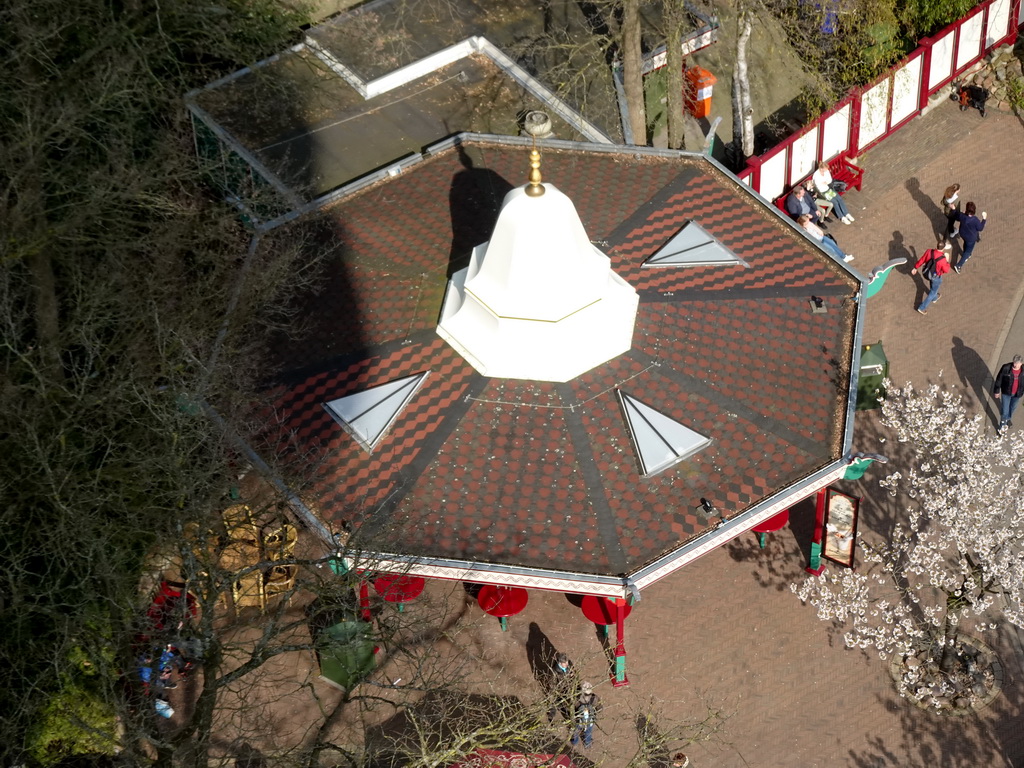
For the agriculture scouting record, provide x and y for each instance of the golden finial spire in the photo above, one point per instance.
(535, 188)
(536, 124)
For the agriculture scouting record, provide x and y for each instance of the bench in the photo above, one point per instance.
(843, 169)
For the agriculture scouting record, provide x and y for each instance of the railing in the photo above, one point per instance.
(870, 113)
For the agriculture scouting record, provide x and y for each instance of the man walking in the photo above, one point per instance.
(934, 263)
(1008, 388)
(970, 232)
(563, 687)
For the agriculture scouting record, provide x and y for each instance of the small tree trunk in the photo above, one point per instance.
(31, 207)
(633, 80)
(949, 636)
(675, 19)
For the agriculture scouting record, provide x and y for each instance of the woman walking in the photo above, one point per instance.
(970, 232)
(951, 207)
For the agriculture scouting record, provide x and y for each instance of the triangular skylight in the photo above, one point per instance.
(368, 414)
(692, 246)
(660, 441)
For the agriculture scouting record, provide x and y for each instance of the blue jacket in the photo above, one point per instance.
(970, 227)
(798, 206)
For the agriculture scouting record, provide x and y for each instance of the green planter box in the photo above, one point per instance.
(874, 370)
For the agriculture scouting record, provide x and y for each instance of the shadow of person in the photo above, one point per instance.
(540, 653)
(898, 250)
(975, 378)
(928, 206)
(474, 199)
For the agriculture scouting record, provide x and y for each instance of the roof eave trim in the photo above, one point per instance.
(851, 394)
(737, 526)
(493, 573)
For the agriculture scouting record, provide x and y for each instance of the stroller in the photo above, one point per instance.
(969, 96)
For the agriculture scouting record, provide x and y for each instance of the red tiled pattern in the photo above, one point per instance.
(351, 482)
(496, 470)
(732, 345)
(775, 257)
(506, 486)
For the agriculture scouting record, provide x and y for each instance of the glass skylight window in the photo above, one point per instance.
(368, 414)
(660, 441)
(692, 246)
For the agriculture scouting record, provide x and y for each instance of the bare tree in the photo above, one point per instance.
(115, 272)
(676, 22)
(660, 739)
(632, 77)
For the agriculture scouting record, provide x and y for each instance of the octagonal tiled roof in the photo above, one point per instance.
(539, 475)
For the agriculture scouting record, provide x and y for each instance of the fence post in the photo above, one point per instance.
(855, 121)
(754, 166)
(926, 72)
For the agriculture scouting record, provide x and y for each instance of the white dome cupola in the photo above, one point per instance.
(538, 301)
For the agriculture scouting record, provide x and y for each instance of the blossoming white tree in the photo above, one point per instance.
(957, 549)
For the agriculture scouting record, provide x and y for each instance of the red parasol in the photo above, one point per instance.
(502, 601)
(396, 588)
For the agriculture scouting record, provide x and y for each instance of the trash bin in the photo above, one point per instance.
(699, 84)
(874, 369)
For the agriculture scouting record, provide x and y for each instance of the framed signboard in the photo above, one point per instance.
(841, 513)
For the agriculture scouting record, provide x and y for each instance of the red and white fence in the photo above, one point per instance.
(872, 112)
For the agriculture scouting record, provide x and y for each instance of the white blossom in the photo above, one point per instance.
(957, 542)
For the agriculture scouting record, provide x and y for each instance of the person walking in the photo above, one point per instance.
(832, 191)
(828, 243)
(970, 232)
(585, 716)
(950, 208)
(1008, 388)
(933, 265)
(563, 686)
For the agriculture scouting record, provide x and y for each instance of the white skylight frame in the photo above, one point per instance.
(368, 414)
(693, 246)
(660, 441)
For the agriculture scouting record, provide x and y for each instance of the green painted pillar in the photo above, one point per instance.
(815, 560)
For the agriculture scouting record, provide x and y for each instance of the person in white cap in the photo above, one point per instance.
(585, 716)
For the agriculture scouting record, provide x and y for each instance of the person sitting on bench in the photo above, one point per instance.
(799, 203)
(832, 191)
